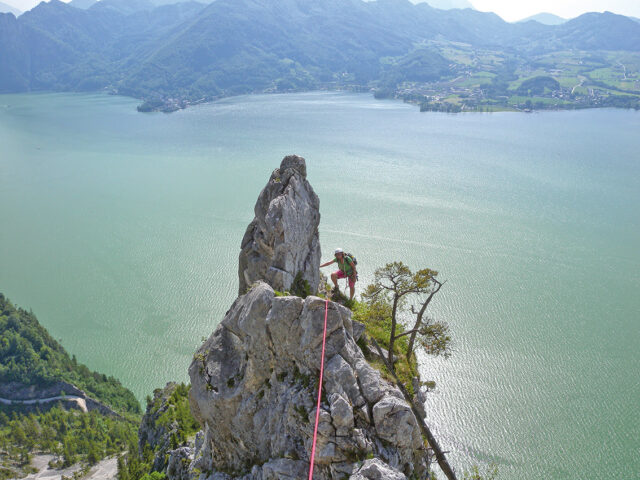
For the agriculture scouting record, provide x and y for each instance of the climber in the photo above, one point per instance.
(346, 269)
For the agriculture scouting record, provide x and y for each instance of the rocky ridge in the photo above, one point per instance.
(153, 433)
(254, 381)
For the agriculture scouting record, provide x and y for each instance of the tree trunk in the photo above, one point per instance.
(440, 457)
(418, 324)
(392, 338)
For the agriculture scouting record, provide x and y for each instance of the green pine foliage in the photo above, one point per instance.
(153, 476)
(384, 310)
(300, 287)
(538, 86)
(178, 412)
(30, 355)
(71, 436)
(176, 419)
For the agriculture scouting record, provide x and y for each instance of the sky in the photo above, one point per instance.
(510, 10)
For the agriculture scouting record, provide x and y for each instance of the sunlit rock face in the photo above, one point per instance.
(254, 382)
(254, 387)
(282, 240)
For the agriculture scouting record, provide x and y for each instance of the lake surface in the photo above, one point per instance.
(122, 230)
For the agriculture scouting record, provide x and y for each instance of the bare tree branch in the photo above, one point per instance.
(408, 332)
(420, 314)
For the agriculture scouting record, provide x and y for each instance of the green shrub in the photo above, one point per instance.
(300, 287)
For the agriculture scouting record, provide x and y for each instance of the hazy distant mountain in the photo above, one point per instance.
(545, 18)
(191, 50)
(4, 8)
(130, 6)
(22, 5)
(123, 6)
(600, 31)
(449, 4)
(159, 3)
(82, 4)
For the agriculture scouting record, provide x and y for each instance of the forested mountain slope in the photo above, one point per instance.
(31, 357)
(196, 51)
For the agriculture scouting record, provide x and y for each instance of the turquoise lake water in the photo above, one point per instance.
(122, 230)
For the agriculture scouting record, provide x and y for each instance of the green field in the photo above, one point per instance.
(482, 79)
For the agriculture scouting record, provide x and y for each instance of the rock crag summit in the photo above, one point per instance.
(254, 381)
(282, 240)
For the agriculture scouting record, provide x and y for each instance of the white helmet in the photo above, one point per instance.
(338, 250)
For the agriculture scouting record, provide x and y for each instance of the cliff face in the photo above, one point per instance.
(254, 386)
(282, 240)
(153, 432)
(254, 381)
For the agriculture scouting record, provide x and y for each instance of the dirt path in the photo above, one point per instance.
(107, 469)
(624, 70)
(82, 404)
(582, 79)
(41, 462)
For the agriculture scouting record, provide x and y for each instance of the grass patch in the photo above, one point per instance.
(630, 85)
(518, 100)
(530, 75)
(377, 321)
(568, 82)
(608, 75)
(457, 56)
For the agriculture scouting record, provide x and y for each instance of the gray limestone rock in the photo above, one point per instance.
(341, 414)
(370, 380)
(396, 423)
(282, 240)
(254, 387)
(254, 381)
(284, 469)
(358, 330)
(339, 377)
(202, 459)
(178, 463)
(375, 469)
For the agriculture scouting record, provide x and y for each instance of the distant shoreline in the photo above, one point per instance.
(174, 105)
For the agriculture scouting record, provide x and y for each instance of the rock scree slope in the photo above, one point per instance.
(254, 381)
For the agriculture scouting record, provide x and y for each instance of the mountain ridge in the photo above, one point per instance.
(193, 52)
(449, 4)
(6, 8)
(545, 18)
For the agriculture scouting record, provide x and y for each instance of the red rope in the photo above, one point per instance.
(315, 429)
